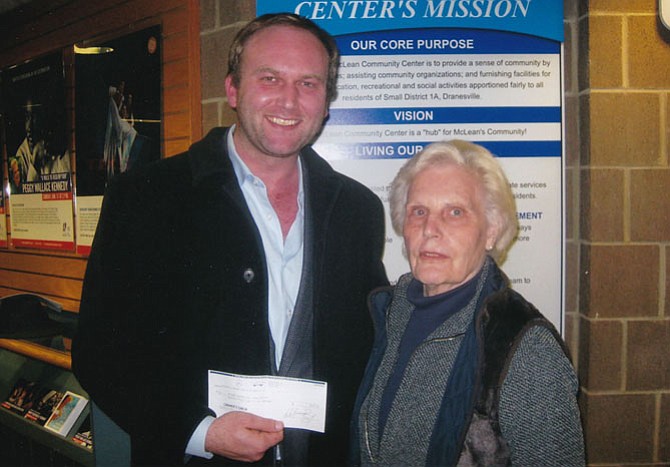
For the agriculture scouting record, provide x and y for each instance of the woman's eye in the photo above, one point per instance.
(456, 212)
(418, 212)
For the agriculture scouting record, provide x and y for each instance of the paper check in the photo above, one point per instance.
(298, 403)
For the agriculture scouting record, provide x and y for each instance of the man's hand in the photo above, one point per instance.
(242, 436)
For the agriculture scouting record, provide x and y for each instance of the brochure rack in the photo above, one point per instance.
(48, 362)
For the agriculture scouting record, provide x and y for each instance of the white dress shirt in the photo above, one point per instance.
(283, 257)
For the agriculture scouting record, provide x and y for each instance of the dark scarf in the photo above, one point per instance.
(428, 314)
(459, 397)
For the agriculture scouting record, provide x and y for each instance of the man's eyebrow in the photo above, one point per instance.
(314, 76)
(266, 69)
(274, 71)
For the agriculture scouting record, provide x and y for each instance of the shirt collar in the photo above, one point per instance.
(242, 171)
(245, 175)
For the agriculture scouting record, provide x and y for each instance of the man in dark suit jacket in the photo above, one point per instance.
(178, 278)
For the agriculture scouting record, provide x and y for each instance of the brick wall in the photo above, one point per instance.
(219, 22)
(619, 227)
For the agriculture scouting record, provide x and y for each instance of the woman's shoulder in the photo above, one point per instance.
(379, 299)
(508, 310)
(511, 322)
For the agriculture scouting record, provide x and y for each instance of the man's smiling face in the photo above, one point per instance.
(281, 95)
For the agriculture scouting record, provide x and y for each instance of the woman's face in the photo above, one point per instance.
(446, 231)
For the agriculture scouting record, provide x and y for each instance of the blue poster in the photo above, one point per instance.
(541, 18)
(488, 71)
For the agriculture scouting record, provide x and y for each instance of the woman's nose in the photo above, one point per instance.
(431, 227)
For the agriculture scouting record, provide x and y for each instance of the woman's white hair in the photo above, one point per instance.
(499, 202)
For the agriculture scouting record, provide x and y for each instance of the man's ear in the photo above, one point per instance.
(231, 91)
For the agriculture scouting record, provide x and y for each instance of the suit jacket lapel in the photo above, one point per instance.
(320, 194)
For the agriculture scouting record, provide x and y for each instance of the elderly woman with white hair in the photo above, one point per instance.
(464, 370)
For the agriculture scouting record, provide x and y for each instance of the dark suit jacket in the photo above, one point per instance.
(167, 296)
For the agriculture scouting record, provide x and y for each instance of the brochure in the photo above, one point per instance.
(66, 413)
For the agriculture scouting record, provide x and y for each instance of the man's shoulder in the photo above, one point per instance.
(180, 170)
(160, 172)
(357, 187)
(323, 172)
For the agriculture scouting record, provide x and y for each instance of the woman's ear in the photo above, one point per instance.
(492, 233)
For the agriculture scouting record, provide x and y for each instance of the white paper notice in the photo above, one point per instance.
(298, 403)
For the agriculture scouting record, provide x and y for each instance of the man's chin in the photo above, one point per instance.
(284, 151)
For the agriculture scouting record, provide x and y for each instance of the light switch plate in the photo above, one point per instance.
(664, 12)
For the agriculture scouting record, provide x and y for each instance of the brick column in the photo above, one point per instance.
(624, 233)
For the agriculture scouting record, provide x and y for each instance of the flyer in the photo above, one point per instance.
(38, 157)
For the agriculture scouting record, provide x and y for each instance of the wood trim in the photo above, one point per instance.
(194, 69)
(54, 357)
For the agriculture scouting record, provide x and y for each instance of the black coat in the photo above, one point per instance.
(167, 296)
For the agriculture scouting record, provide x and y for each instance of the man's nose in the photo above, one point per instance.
(289, 95)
